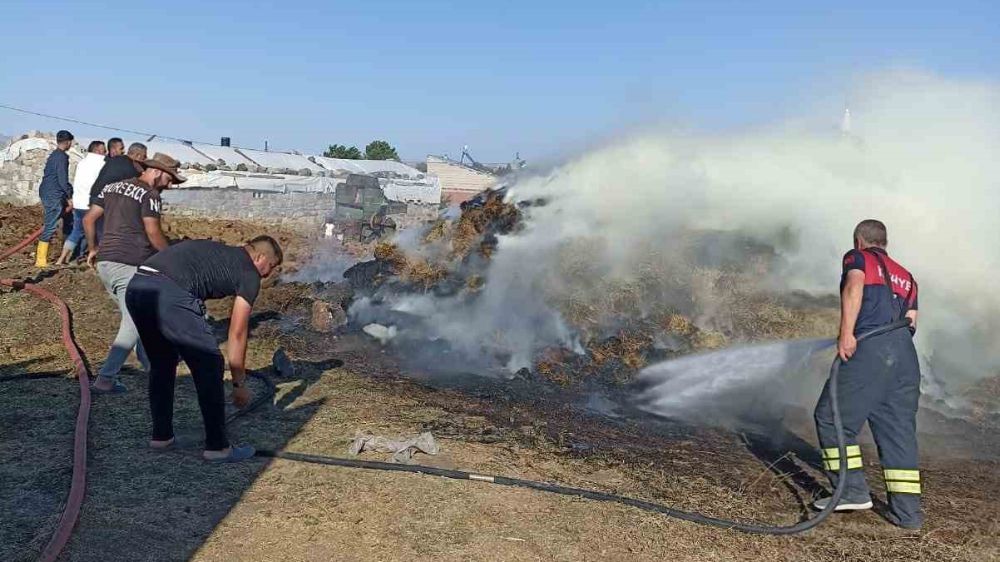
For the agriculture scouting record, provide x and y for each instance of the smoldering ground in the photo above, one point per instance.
(697, 224)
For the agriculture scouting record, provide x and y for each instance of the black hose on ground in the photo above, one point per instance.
(602, 496)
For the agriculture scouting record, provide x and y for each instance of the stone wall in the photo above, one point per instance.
(19, 178)
(305, 211)
(302, 211)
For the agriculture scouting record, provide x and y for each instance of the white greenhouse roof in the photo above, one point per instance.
(224, 153)
(280, 160)
(367, 166)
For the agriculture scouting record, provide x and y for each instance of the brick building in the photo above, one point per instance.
(458, 181)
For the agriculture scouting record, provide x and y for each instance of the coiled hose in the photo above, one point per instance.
(602, 496)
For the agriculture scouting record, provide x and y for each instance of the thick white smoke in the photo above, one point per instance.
(922, 157)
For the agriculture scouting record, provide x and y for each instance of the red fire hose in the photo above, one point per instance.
(79, 480)
(21, 245)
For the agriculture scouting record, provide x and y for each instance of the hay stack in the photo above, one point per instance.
(410, 270)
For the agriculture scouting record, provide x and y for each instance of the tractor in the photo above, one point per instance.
(362, 207)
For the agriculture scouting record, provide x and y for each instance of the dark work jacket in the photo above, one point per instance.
(55, 180)
(119, 168)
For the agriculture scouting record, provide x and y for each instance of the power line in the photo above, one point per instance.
(146, 135)
(89, 124)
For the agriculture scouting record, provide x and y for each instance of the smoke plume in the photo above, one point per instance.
(922, 157)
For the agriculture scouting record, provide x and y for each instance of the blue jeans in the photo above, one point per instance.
(116, 277)
(77, 238)
(54, 205)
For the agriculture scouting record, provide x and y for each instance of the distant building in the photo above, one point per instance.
(459, 182)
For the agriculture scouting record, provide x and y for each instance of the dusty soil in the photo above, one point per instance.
(141, 505)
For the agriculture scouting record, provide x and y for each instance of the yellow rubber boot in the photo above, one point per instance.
(42, 255)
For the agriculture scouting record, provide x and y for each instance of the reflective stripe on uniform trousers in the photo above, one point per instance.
(831, 458)
(898, 481)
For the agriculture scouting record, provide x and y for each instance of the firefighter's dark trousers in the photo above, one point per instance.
(880, 384)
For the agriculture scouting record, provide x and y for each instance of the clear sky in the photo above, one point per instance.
(543, 78)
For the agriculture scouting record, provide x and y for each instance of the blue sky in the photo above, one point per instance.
(542, 78)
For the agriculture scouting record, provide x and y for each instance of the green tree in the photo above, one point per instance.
(341, 151)
(380, 150)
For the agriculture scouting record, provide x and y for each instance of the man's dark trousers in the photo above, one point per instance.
(880, 384)
(172, 326)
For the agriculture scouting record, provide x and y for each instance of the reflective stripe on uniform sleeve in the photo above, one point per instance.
(898, 481)
(831, 458)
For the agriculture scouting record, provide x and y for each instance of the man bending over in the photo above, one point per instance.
(166, 299)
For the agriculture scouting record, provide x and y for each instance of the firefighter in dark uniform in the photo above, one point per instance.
(879, 379)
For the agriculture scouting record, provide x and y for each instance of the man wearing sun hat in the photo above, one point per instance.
(132, 233)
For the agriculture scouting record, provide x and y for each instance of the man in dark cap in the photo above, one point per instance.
(55, 192)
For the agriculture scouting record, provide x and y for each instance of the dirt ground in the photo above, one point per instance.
(143, 505)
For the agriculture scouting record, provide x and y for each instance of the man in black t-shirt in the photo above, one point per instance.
(118, 168)
(132, 233)
(166, 299)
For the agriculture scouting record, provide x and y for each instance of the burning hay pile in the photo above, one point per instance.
(451, 254)
(664, 311)
(672, 301)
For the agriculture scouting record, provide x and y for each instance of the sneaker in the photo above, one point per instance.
(117, 387)
(237, 453)
(844, 505)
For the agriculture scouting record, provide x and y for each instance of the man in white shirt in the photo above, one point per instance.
(86, 173)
